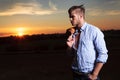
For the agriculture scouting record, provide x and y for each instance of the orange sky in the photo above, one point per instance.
(45, 16)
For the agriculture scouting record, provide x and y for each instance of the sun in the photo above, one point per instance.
(20, 34)
(20, 31)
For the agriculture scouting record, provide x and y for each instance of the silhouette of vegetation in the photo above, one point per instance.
(49, 42)
(41, 42)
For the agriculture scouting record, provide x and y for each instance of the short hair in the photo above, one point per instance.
(81, 7)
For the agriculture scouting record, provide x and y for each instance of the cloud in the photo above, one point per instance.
(113, 12)
(93, 12)
(29, 9)
(103, 7)
(47, 7)
(101, 12)
(52, 6)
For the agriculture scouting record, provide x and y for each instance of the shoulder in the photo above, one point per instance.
(93, 30)
(92, 27)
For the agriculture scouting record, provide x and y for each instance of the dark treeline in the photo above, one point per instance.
(112, 33)
(49, 42)
(107, 33)
(42, 42)
(31, 37)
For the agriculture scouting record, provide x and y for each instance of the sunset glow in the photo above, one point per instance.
(20, 34)
(29, 17)
(20, 31)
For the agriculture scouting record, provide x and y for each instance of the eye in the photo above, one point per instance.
(72, 16)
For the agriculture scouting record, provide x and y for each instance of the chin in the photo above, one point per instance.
(74, 25)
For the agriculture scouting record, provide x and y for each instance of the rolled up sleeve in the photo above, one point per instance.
(100, 46)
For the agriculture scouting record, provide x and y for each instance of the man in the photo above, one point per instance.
(88, 46)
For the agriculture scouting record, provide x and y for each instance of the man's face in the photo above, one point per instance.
(74, 18)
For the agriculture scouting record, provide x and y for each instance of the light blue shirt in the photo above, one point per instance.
(91, 49)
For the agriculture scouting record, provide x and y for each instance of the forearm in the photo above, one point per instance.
(94, 74)
(97, 68)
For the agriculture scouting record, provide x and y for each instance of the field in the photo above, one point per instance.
(45, 58)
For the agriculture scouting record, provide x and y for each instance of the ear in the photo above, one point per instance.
(79, 16)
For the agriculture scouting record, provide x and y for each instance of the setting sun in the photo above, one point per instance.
(20, 31)
(20, 34)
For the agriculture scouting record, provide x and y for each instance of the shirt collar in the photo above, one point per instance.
(83, 27)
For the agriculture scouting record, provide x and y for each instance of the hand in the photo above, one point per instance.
(70, 41)
(92, 77)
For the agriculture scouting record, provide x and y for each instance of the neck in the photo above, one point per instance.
(81, 24)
